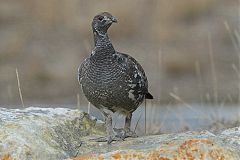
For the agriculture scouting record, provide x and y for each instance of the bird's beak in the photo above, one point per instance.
(114, 20)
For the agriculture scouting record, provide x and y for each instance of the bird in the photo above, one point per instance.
(112, 81)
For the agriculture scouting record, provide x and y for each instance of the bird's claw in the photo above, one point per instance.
(108, 139)
(119, 134)
(124, 133)
(131, 134)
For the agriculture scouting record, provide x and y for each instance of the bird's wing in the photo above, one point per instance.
(82, 69)
(134, 71)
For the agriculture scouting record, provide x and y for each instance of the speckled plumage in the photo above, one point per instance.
(111, 80)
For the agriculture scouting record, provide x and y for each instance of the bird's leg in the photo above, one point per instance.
(109, 128)
(127, 129)
(112, 135)
(128, 120)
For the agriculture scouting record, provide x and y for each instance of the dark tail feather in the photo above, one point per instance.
(148, 96)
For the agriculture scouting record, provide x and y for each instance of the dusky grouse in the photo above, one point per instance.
(112, 81)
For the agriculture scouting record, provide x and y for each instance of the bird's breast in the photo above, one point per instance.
(109, 84)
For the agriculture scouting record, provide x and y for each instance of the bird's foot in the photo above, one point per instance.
(130, 133)
(119, 134)
(125, 133)
(108, 139)
(116, 136)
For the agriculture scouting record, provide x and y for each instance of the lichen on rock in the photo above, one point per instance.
(61, 133)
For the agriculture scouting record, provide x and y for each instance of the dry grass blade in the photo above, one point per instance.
(165, 116)
(19, 88)
(89, 107)
(238, 51)
(78, 101)
(187, 105)
(213, 70)
(137, 122)
(199, 76)
(238, 75)
(145, 117)
(235, 38)
(236, 70)
(160, 62)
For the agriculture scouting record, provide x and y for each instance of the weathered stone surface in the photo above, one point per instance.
(44, 133)
(189, 146)
(47, 133)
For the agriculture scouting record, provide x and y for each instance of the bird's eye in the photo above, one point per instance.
(100, 18)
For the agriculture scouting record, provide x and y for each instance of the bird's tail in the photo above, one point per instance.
(148, 96)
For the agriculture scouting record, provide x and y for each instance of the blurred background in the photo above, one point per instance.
(189, 48)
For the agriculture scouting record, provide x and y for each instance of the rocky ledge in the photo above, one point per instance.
(61, 133)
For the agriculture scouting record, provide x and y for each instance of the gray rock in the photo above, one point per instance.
(47, 133)
(189, 145)
(44, 133)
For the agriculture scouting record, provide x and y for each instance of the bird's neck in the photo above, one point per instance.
(101, 41)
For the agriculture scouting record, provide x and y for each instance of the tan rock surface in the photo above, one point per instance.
(189, 146)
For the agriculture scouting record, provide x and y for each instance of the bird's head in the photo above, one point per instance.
(102, 22)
